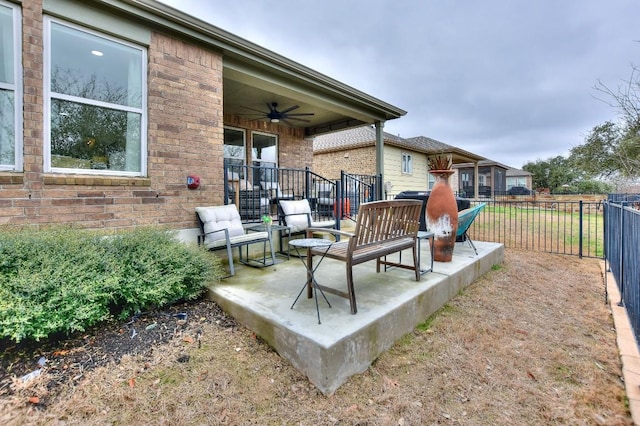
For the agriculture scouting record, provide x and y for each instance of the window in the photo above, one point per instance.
(234, 149)
(264, 154)
(10, 88)
(407, 163)
(95, 114)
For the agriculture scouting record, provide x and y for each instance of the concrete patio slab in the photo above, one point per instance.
(390, 304)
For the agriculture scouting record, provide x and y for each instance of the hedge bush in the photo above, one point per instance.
(65, 280)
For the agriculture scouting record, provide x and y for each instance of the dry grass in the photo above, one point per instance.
(530, 343)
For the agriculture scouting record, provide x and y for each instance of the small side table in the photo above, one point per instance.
(262, 227)
(421, 236)
(311, 283)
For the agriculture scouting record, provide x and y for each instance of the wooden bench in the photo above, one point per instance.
(382, 228)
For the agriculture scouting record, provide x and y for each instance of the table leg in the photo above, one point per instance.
(311, 284)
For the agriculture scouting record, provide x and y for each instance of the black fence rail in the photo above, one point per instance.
(622, 248)
(561, 227)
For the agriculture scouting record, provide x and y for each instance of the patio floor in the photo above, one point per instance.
(390, 304)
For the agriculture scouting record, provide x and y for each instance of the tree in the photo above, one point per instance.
(611, 149)
(551, 173)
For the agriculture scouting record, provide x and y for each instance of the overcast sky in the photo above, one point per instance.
(511, 80)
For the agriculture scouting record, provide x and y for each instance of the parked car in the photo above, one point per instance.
(519, 190)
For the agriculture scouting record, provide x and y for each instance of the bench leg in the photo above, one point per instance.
(351, 290)
(416, 262)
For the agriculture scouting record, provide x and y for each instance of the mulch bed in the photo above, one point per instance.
(69, 358)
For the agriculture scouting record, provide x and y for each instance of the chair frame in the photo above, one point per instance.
(229, 244)
(465, 220)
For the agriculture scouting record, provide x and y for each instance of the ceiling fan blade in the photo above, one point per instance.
(253, 109)
(289, 109)
(299, 114)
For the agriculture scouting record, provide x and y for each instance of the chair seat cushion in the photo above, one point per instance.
(237, 240)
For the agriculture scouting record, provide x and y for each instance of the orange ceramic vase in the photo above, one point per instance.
(442, 216)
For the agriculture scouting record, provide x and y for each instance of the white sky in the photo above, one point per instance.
(511, 80)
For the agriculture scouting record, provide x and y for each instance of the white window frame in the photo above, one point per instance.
(244, 143)
(406, 163)
(259, 174)
(48, 95)
(16, 88)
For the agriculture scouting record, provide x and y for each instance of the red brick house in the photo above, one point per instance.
(107, 106)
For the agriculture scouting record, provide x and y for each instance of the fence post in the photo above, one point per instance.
(580, 239)
(339, 199)
(621, 222)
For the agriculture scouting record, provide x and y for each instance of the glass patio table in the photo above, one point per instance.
(311, 284)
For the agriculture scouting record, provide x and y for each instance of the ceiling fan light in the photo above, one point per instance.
(275, 120)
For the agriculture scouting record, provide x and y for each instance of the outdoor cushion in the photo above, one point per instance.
(215, 218)
(297, 215)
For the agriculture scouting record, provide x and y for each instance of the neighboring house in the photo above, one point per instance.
(107, 107)
(521, 178)
(404, 160)
(491, 178)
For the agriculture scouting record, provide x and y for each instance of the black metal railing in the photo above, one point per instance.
(561, 227)
(256, 191)
(622, 249)
(357, 189)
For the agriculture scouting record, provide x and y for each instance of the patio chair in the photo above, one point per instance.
(465, 219)
(221, 228)
(296, 214)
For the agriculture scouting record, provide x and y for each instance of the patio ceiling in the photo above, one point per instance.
(335, 106)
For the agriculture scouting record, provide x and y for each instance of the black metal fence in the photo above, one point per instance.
(562, 227)
(622, 248)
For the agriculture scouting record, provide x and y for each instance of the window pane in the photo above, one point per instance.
(90, 137)
(7, 131)
(234, 144)
(6, 45)
(264, 148)
(95, 68)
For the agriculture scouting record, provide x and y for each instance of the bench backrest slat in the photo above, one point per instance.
(388, 220)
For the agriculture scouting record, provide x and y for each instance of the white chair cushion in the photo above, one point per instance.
(216, 218)
(244, 239)
(301, 210)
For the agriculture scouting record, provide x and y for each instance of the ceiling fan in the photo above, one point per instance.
(275, 116)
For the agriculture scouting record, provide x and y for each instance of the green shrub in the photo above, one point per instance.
(64, 280)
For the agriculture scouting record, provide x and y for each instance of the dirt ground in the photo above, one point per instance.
(530, 343)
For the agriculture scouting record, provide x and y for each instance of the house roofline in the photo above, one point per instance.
(243, 50)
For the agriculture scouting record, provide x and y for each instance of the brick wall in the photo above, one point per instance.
(356, 161)
(184, 136)
(294, 151)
